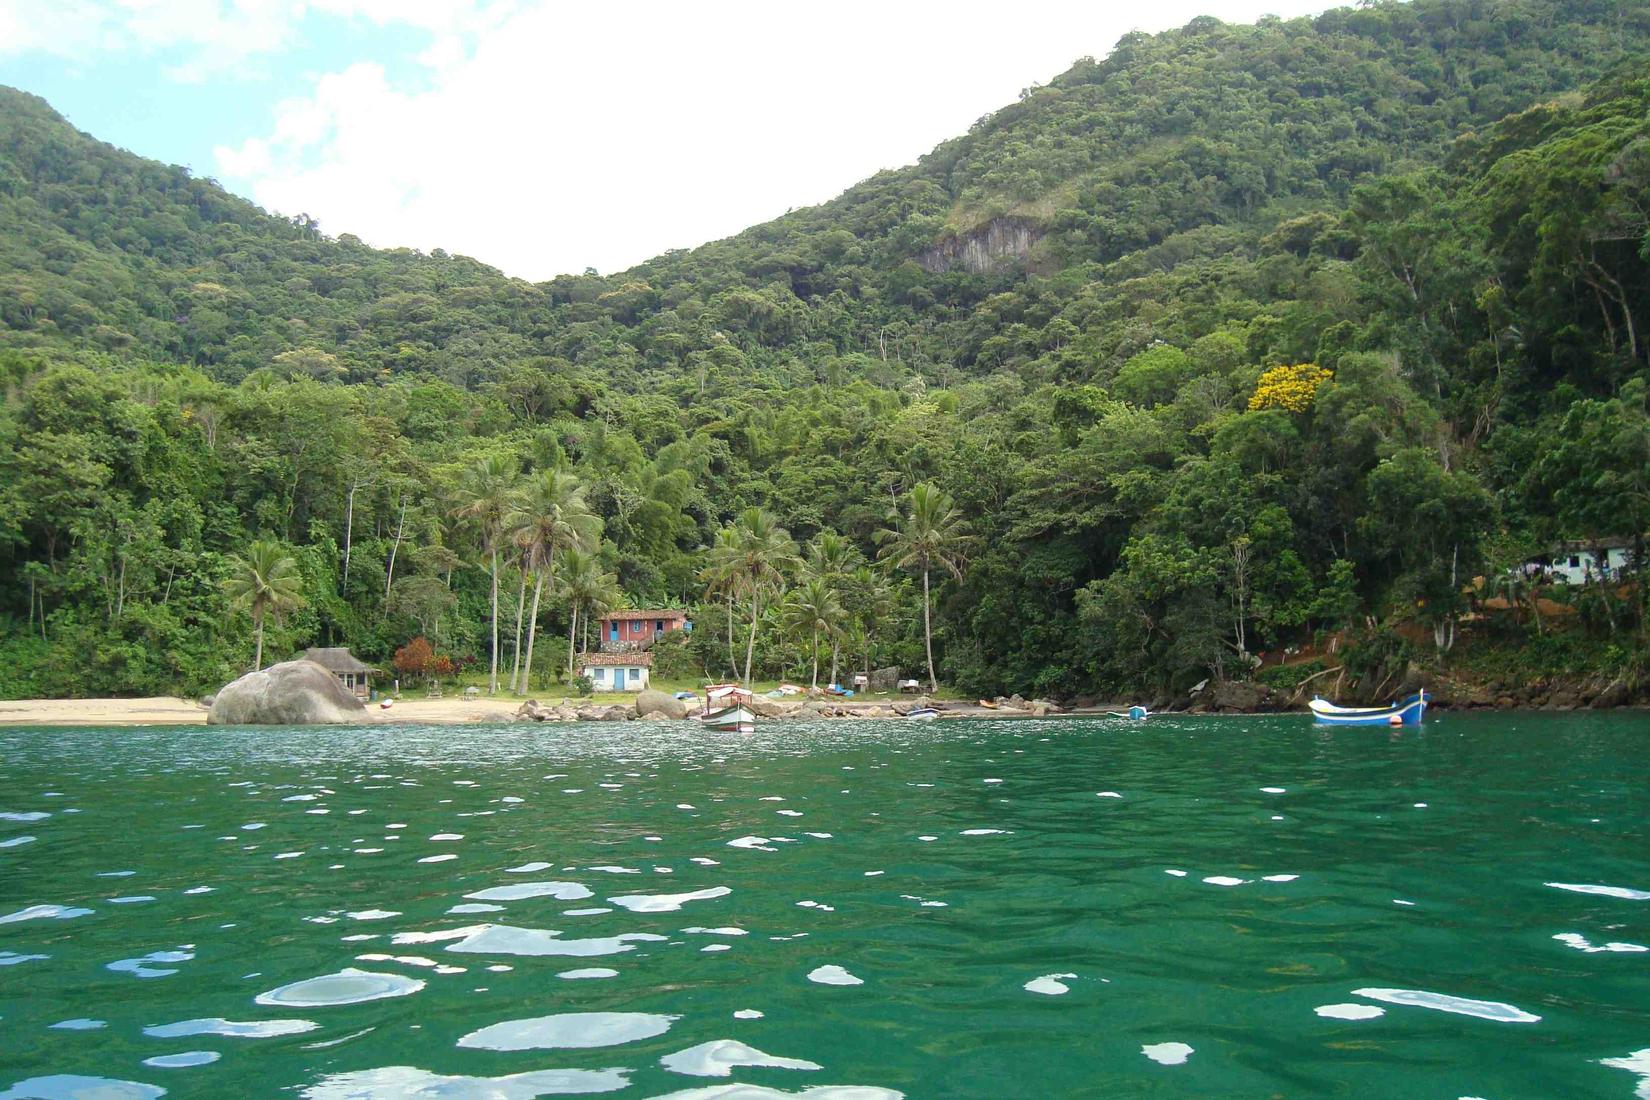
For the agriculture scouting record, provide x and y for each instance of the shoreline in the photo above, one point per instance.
(170, 711)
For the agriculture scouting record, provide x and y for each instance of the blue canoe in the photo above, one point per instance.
(1408, 712)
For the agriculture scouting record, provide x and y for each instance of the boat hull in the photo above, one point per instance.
(922, 714)
(730, 720)
(1409, 712)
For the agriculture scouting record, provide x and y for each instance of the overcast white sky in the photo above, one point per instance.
(547, 137)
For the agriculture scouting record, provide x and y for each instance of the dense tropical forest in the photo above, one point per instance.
(1238, 338)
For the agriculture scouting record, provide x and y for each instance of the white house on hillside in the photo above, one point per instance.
(1583, 561)
(616, 671)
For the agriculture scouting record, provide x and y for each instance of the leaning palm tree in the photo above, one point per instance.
(520, 564)
(484, 498)
(550, 518)
(812, 609)
(264, 581)
(930, 534)
(763, 554)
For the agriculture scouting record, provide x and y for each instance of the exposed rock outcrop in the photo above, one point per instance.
(998, 243)
(292, 693)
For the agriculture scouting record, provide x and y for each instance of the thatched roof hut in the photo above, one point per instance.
(351, 671)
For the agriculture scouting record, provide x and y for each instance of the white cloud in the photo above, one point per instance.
(601, 135)
(216, 37)
(550, 136)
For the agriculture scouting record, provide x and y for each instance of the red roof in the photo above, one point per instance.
(626, 616)
(608, 660)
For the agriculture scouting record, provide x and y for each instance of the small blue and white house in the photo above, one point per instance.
(1583, 561)
(617, 671)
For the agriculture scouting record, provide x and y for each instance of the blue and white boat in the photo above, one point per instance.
(1407, 712)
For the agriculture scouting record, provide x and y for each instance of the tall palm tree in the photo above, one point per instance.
(721, 579)
(871, 599)
(589, 591)
(484, 498)
(763, 554)
(521, 617)
(833, 558)
(550, 517)
(929, 534)
(264, 581)
(812, 608)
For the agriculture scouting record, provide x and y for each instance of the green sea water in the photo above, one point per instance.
(1244, 907)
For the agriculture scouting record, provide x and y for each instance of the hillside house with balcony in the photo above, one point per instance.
(633, 631)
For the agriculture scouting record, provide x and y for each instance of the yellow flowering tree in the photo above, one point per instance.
(1291, 388)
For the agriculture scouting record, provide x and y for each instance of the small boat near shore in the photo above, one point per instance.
(922, 714)
(734, 719)
(728, 710)
(1137, 712)
(1406, 712)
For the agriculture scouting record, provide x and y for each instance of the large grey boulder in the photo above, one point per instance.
(764, 707)
(292, 693)
(884, 679)
(657, 702)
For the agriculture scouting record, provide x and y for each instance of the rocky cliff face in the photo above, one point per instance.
(996, 244)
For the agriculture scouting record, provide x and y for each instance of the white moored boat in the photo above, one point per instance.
(727, 709)
(1407, 712)
(730, 720)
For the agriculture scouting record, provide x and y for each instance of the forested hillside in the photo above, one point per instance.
(1241, 335)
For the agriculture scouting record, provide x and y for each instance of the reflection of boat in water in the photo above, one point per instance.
(1407, 712)
(922, 714)
(1137, 712)
(727, 709)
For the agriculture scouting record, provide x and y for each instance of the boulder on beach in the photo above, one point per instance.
(651, 702)
(292, 693)
(884, 679)
(763, 707)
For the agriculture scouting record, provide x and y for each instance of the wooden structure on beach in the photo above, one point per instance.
(352, 672)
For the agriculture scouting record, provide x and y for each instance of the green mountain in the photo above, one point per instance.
(1240, 335)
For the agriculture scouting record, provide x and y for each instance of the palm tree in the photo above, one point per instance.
(832, 558)
(812, 608)
(265, 580)
(589, 591)
(484, 497)
(721, 579)
(930, 534)
(763, 552)
(871, 599)
(521, 617)
(550, 518)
